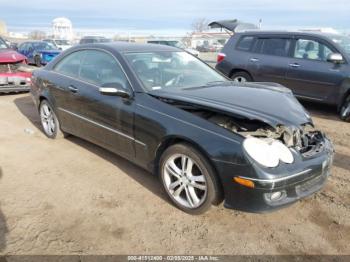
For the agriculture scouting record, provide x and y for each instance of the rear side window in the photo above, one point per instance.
(245, 43)
(70, 65)
(274, 46)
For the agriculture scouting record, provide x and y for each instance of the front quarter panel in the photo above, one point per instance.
(156, 121)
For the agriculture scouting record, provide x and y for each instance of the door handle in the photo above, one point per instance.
(73, 89)
(294, 65)
(254, 60)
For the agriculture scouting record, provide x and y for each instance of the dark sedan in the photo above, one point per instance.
(209, 139)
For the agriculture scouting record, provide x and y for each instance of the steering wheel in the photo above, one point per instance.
(176, 81)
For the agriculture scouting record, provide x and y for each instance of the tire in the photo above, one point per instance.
(37, 61)
(241, 77)
(192, 191)
(345, 110)
(49, 121)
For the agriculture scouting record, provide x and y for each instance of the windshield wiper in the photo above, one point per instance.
(213, 83)
(209, 84)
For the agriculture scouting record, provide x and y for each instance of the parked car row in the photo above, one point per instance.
(206, 47)
(174, 43)
(60, 44)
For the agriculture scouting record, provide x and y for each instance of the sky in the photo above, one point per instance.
(174, 15)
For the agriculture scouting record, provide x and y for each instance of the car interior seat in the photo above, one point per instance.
(310, 51)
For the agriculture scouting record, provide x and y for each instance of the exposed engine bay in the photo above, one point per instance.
(306, 139)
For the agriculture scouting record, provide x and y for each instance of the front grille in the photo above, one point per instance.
(13, 81)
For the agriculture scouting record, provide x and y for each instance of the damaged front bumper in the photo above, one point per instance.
(277, 187)
(10, 83)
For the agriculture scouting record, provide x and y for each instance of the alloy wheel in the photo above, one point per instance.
(184, 181)
(47, 119)
(346, 110)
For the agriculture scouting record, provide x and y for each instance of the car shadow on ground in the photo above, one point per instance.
(150, 181)
(321, 110)
(342, 161)
(141, 176)
(3, 226)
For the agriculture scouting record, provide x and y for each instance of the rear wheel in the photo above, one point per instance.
(241, 77)
(188, 179)
(49, 121)
(345, 110)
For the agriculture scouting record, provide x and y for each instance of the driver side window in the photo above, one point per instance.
(102, 69)
(311, 50)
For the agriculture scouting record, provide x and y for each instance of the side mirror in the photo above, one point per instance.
(335, 58)
(114, 89)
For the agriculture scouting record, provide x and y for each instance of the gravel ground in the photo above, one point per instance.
(72, 197)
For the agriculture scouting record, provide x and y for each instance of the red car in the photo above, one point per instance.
(15, 75)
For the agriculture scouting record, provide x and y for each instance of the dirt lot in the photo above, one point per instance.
(71, 197)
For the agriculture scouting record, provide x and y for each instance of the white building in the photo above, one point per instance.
(3, 28)
(62, 28)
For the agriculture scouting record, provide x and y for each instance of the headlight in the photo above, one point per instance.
(267, 152)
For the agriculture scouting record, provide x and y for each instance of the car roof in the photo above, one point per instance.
(281, 32)
(130, 47)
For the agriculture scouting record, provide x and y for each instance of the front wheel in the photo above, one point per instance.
(188, 179)
(345, 110)
(49, 121)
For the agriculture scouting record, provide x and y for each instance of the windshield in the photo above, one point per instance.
(3, 44)
(172, 70)
(62, 42)
(343, 41)
(43, 46)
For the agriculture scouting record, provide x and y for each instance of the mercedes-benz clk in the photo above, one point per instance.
(210, 140)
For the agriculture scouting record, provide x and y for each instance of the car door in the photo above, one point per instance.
(103, 119)
(309, 73)
(268, 61)
(62, 81)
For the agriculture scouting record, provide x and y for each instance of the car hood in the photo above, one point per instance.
(10, 56)
(274, 105)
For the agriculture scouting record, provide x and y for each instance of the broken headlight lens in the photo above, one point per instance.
(267, 152)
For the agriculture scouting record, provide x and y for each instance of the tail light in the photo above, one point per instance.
(221, 57)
